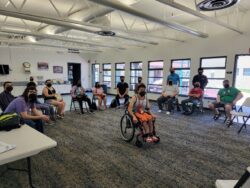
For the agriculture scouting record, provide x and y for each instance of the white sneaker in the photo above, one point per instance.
(159, 111)
(168, 113)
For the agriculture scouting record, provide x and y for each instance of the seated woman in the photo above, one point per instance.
(51, 97)
(99, 93)
(78, 94)
(23, 104)
(140, 111)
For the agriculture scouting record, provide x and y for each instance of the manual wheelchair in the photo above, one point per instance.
(128, 129)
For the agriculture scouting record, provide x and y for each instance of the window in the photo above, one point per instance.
(135, 72)
(246, 72)
(95, 73)
(182, 68)
(155, 76)
(119, 71)
(107, 74)
(242, 74)
(215, 70)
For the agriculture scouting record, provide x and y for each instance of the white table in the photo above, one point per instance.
(28, 142)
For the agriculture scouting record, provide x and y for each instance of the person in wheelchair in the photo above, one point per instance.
(139, 110)
(169, 94)
(195, 96)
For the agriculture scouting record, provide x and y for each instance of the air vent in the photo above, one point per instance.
(106, 33)
(75, 51)
(210, 5)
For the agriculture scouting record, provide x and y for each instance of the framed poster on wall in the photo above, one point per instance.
(58, 69)
(43, 66)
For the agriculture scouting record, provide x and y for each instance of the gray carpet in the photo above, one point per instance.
(194, 151)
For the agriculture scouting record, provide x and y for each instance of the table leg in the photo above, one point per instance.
(29, 172)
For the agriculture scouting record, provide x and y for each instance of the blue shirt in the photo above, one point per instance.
(174, 77)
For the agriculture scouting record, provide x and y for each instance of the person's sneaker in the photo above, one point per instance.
(178, 109)
(229, 122)
(82, 112)
(159, 111)
(149, 139)
(168, 113)
(91, 111)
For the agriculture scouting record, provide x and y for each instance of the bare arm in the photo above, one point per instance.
(218, 98)
(25, 115)
(130, 107)
(46, 93)
(238, 97)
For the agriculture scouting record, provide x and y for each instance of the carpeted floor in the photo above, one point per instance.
(194, 151)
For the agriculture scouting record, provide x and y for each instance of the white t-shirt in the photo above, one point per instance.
(171, 90)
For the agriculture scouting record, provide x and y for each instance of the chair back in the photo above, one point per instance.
(246, 103)
(244, 181)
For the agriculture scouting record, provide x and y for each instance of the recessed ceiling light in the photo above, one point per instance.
(210, 5)
(106, 33)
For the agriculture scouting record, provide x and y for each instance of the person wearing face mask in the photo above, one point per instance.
(78, 94)
(169, 94)
(50, 97)
(23, 104)
(139, 82)
(226, 98)
(174, 77)
(122, 91)
(202, 79)
(195, 95)
(101, 96)
(139, 110)
(6, 97)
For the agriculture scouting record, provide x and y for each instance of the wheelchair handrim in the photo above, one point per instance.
(124, 125)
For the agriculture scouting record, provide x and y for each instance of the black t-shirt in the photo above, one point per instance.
(122, 86)
(202, 79)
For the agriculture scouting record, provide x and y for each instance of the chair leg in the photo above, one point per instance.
(74, 105)
(244, 125)
(70, 106)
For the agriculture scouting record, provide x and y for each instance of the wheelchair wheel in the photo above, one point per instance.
(127, 128)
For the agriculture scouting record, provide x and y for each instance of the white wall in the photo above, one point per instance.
(223, 45)
(14, 57)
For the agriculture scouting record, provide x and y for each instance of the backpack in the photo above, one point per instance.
(93, 106)
(9, 121)
(113, 104)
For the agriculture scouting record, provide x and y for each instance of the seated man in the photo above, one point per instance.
(122, 91)
(23, 104)
(195, 96)
(6, 97)
(78, 94)
(139, 82)
(169, 94)
(226, 98)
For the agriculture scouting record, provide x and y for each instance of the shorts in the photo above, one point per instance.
(143, 117)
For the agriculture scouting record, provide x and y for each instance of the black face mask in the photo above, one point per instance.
(142, 93)
(49, 84)
(9, 88)
(98, 86)
(200, 73)
(196, 85)
(32, 97)
(171, 72)
(122, 80)
(79, 85)
(139, 81)
(226, 85)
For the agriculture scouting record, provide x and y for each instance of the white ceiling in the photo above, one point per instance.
(130, 30)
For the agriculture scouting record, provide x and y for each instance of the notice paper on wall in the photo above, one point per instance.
(6, 147)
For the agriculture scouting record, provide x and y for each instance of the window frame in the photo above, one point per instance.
(134, 70)
(94, 74)
(103, 69)
(219, 68)
(120, 70)
(149, 69)
(171, 65)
